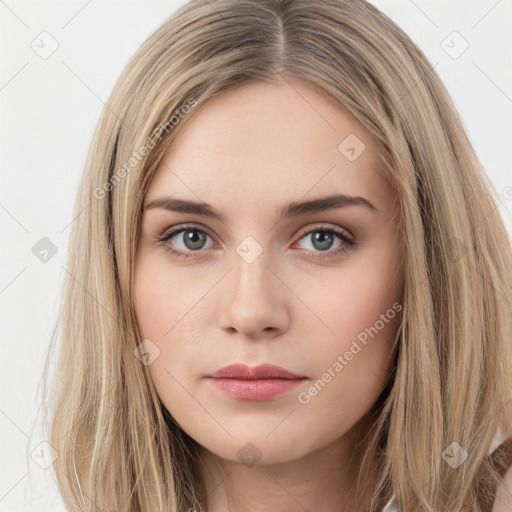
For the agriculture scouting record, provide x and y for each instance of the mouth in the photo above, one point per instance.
(256, 389)
(258, 383)
(262, 371)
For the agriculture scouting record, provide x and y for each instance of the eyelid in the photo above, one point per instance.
(348, 241)
(301, 232)
(325, 226)
(181, 227)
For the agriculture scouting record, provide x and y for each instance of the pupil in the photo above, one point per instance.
(194, 238)
(324, 239)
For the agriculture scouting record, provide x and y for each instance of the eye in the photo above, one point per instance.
(193, 239)
(323, 238)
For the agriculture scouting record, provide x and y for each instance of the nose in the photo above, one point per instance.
(254, 300)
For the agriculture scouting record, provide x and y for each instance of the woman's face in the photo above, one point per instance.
(252, 286)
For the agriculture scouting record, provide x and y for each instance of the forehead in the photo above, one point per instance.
(266, 144)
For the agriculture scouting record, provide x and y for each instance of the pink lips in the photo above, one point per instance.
(259, 383)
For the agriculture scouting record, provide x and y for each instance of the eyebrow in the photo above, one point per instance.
(293, 209)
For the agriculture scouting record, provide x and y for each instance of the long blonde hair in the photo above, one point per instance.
(118, 448)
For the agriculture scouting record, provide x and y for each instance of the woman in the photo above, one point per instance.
(290, 287)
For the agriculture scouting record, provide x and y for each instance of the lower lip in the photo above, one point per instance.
(255, 389)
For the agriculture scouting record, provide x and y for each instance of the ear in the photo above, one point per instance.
(503, 501)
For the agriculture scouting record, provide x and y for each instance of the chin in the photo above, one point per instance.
(260, 450)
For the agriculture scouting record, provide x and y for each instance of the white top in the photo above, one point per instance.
(392, 504)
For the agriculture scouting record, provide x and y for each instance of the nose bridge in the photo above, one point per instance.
(251, 275)
(252, 301)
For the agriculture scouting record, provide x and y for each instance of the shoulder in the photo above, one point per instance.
(503, 501)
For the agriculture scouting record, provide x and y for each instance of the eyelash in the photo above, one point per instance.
(347, 246)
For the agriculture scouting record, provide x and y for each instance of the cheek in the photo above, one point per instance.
(360, 311)
(168, 309)
(162, 297)
(147, 291)
(354, 297)
(351, 366)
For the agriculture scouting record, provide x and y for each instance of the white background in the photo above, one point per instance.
(49, 109)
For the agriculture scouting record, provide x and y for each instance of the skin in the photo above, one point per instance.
(248, 152)
(503, 502)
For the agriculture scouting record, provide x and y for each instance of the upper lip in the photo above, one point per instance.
(262, 371)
